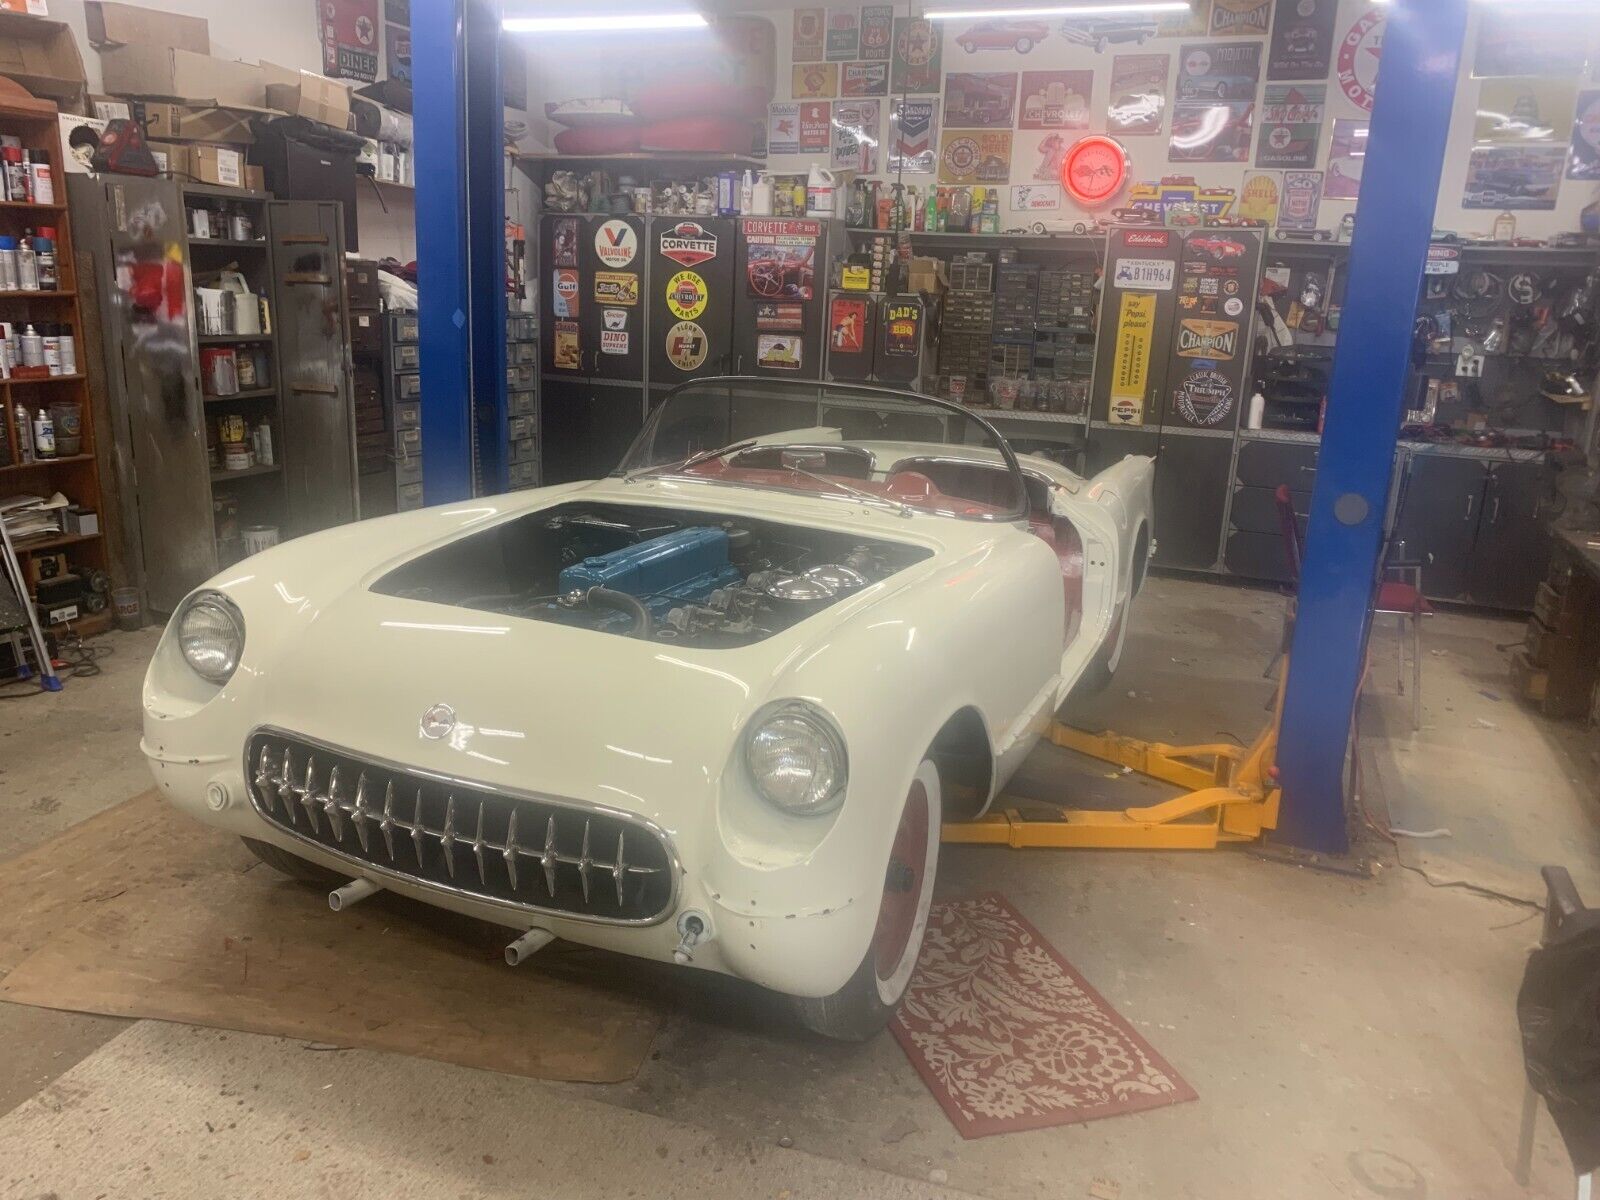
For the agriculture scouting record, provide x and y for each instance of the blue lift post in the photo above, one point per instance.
(459, 118)
(1399, 193)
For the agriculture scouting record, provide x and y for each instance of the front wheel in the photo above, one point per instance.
(1024, 45)
(863, 1006)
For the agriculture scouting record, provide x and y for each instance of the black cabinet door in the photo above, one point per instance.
(587, 428)
(1438, 522)
(1512, 553)
(1266, 464)
(1191, 495)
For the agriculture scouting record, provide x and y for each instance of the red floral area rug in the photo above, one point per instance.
(1009, 1037)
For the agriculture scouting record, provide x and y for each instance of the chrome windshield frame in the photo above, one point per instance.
(821, 392)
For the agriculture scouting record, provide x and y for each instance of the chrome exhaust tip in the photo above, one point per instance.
(526, 946)
(353, 892)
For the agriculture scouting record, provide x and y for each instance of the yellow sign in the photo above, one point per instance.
(856, 278)
(686, 295)
(1130, 363)
(1259, 199)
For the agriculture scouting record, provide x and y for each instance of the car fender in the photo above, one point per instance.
(982, 631)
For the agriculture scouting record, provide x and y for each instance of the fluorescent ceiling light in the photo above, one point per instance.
(619, 23)
(1062, 10)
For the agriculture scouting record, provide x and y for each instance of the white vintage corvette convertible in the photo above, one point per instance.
(711, 709)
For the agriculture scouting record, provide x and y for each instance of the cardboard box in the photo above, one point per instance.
(110, 108)
(302, 94)
(184, 123)
(197, 79)
(112, 24)
(172, 158)
(221, 165)
(255, 179)
(43, 57)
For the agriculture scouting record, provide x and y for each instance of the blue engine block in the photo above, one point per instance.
(677, 568)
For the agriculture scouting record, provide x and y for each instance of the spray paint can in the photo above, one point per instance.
(16, 175)
(44, 435)
(41, 178)
(24, 427)
(69, 350)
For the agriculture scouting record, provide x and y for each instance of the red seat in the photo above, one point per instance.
(1397, 597)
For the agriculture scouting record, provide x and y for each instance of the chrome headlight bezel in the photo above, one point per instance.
(216, 661)
(798, 720)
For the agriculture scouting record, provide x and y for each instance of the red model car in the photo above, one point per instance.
(1218, 249)
(1020, 36)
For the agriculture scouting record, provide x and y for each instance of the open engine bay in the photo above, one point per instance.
(652, 573)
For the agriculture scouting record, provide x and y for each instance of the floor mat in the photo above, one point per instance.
(141, 912)
(1009, 1037)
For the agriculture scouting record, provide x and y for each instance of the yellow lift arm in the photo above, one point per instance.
(1233, 796)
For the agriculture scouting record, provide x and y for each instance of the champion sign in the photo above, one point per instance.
(1208, 339)
(688, 243)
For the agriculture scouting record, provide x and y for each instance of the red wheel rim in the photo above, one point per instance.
(902, 885)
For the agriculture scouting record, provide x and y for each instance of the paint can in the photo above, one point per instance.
(259, 537)
(130, 617)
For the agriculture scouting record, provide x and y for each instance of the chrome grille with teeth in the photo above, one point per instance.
(462, 838)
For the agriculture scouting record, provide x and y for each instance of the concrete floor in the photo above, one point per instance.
(1349, 1037)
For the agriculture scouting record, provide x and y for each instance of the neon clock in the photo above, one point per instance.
(1094, 169)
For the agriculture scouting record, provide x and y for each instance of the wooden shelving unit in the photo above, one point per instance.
(76, 476)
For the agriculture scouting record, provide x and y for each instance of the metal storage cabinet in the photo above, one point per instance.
(1191, 499)
(1438, 521)
(313, 327)
(402, 402)
(1513, 547)
(134, 230)
(523, 468)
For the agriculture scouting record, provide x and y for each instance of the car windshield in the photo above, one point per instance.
(870, 445)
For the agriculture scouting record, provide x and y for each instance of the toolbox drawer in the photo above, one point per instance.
(523, 474)
(1267, 464)
(1255, 510)
(1257, 556)
(408, 415)
(408, 472)
(523, 352)
(522, 403)
(408, 497)
(525, 450)
(406, 358)
(520, 378)
(365, 336)
(518, 428)
(407, 444)
(403, 328)
(408, 387)
(522, 327)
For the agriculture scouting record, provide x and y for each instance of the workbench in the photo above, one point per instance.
(1559, 663)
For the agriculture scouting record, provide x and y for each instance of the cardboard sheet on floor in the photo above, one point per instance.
(140, 912)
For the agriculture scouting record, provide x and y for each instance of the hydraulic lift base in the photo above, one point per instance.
(1233, 797)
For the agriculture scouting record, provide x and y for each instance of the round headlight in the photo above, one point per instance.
(797, 759)
(211, 634)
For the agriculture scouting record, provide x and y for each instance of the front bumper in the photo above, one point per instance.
(808, 951)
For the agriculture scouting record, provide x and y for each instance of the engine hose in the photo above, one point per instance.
(602, 597)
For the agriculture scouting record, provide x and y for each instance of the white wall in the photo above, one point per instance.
(565, 68)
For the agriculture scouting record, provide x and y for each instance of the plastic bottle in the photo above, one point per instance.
(747, 192)
(27, 265)
(1258, 411)
(24, 433)
(44, 436)
(41, 177)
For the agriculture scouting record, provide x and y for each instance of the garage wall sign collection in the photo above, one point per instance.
(1252, 82)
